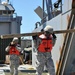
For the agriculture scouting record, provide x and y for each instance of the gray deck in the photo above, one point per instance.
(23, 70)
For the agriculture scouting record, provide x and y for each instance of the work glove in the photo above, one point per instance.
(54, 36)
(21, 52)
(42, 30)
(34, 37)
(12, 45)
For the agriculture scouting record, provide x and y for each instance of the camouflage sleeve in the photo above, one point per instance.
(19, 48)
(54, 41)
(7, 48)
(54, 38)
(36, 42)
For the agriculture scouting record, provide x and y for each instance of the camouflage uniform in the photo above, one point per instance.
(14, 61)
(44, 58)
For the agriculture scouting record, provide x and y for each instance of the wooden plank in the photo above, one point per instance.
(64, 31)
(34, 33)
(19, 35)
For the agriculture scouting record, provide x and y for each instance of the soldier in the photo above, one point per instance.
(14, 51)
(43, 44)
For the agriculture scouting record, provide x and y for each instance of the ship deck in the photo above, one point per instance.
(24, 69)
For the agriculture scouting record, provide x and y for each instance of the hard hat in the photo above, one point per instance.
(15, 39)
(48, 28)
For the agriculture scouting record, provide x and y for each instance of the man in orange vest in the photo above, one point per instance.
(44, 44)
(14, 51)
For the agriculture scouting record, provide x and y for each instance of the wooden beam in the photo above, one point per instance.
(34, 33)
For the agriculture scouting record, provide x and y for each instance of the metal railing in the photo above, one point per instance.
(66, 49)
(5, 18)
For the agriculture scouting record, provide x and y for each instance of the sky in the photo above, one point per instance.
(25, 8)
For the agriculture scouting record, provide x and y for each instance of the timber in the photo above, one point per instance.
(34, 33)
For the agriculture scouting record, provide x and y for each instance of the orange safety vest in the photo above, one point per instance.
(46, 44)
(13, 50)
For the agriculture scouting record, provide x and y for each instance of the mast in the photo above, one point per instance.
(49, 9)
(0, 1)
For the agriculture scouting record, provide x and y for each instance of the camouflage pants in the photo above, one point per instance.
(44, 59)
(14, 64)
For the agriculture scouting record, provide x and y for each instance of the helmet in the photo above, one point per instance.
(15, 39)
(48, 28)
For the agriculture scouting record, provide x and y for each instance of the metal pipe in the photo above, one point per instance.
(49, 9)
(43, 8)
(66, 58)
(61, 5)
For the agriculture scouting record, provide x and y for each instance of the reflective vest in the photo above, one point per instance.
(46, 44)
(13, 50)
